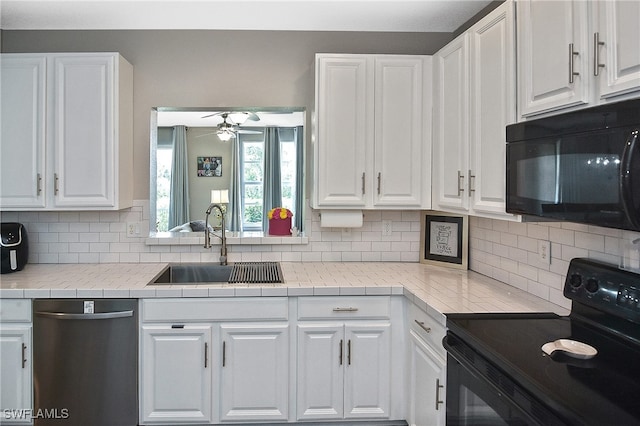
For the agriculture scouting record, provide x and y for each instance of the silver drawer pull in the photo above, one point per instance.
(421, 324)
(345, 309)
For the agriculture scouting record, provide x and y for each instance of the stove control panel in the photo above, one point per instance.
(604, 287)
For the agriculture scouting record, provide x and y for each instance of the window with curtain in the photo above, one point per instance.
(252, 174)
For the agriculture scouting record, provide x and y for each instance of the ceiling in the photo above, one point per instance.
(287, 15)
(203, 118)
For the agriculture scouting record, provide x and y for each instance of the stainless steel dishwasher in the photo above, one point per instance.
(85, 362)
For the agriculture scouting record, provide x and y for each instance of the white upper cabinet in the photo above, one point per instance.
(616, 61)
(80, 150)
(492, 107)
(572, 53)
(372, 131)
(22, 131)
(474, 100)
(399, 134)
(553, 60)
(344, 115)
(451, 125)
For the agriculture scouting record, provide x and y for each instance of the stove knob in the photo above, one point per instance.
(592, 285)
(575, 280)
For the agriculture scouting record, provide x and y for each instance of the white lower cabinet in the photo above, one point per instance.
(16, 383)
(426, 377)
(426, 384)
(210, 361)
(238, 360)
(176, 373)
(343, 371)
(254, 379)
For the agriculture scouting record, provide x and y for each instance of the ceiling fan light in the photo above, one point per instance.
(225, 135)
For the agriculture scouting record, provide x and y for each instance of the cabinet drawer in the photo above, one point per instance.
(427, 327)
(15, 310)
(353, 307)
(228, 309)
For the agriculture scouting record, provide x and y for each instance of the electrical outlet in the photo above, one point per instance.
(386, 228)
(133, 229)
(544, 251)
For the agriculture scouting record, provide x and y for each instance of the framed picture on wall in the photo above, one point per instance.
(209, 166)
(444, 239)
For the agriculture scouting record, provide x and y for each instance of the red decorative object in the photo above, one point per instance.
(280, 221)
(280, 226)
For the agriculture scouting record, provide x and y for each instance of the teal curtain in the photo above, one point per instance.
(234, 214)
(179, 194)
(272, 191)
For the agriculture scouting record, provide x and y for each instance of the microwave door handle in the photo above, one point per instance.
(626, 179)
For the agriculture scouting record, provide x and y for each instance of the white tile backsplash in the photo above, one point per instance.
(491, 252)
(99, 237)
(503, 250)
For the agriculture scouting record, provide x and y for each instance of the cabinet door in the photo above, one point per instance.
(22, 131)
(367, 371)
(255, 372)
(619, 33)
(83, 131)
(398, 131)
(546, 30)
(321, 355)
(451, 118)
(176, 374)
(344, 114)
(426, 384)
(15, 373)
(493, 106)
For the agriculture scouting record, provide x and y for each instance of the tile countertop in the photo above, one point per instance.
(437, 290)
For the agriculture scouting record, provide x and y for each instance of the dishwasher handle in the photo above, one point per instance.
(96, 316)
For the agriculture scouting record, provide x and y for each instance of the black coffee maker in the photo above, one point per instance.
(14, 247)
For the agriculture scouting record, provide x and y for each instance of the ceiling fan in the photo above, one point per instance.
(229, 127)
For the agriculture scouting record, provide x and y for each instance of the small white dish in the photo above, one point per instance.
(570, 347)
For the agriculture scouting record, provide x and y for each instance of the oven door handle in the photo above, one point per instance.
(626, 179)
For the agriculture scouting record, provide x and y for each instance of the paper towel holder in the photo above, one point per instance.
(341, 218)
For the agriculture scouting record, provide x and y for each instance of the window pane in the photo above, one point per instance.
(164, 159)
(252, 182)
(252, 194)
(253, 214)
(253, 172)
(253, 151)
(288, 174)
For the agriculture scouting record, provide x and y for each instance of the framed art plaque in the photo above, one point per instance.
(444, 239)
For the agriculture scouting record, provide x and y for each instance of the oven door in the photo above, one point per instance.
(480, 394)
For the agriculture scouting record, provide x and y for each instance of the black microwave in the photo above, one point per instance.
(582, 166)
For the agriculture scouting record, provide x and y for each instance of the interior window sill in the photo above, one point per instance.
(233, 238)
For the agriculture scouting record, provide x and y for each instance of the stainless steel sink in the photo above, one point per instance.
(206, 273)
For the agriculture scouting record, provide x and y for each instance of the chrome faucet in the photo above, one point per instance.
(208, 233)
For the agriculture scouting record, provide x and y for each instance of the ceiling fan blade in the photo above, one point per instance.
(249, 132)
(211, 115)
(205, 134)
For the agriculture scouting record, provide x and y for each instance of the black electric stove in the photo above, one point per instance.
(498, 374)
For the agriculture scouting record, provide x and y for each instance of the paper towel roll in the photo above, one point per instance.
(341, 218)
